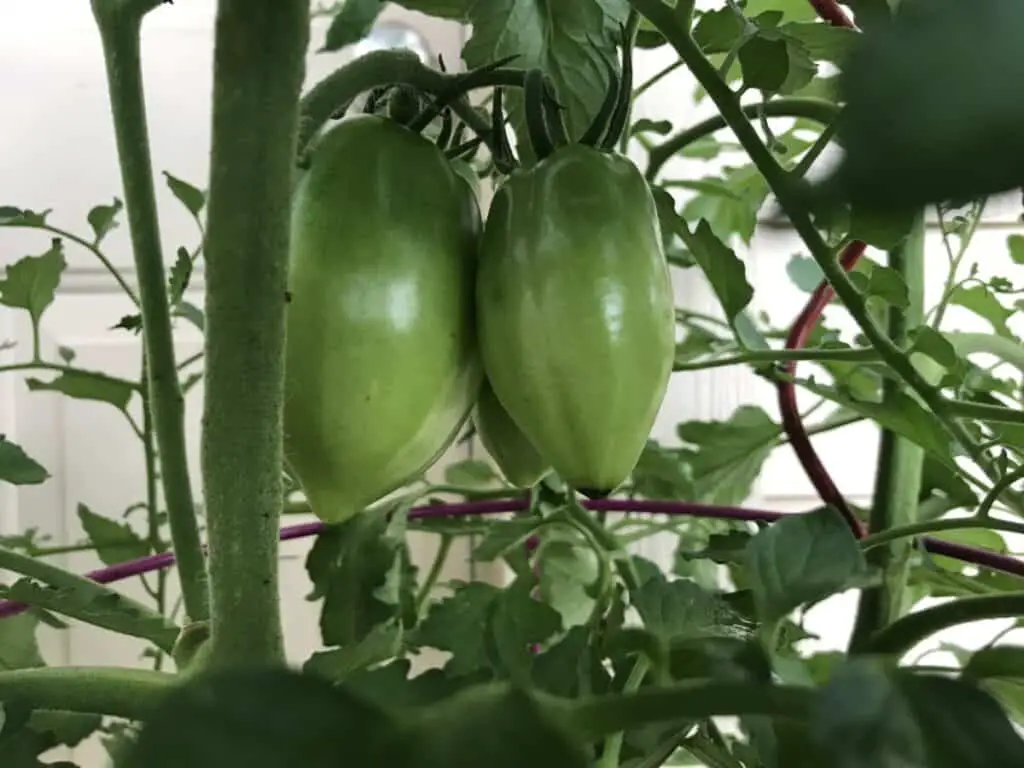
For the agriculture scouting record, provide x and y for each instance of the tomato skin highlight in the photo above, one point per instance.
(381, 362)
(575, 312)
(511, 450)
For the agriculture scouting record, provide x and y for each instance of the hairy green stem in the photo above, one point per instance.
(119, 26)
(600, 716)
(780, 355)
(156, 543)
(259, 64)
(819, 110)
(81, 598)
(127, 693)
(900, 637)
(900, 462)
(443, 549)
(933, 526)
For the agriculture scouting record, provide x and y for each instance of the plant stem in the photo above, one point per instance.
(443, 549)
(982, 412)
(259, 64)
(779, 355)
(613, 742)
(156, 543)
(128, 693)
(931, 526)
(900, 462)
(1002, 486)
(954, 264)
(86, 600)
(818, 110)
(656, 78)
(900, 637)
(119, 26)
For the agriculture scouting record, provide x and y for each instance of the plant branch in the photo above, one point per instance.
(259, 64)
(900, 461)
(867, 354)
(127, 693)
(819, 110)
(947, 524)
(982, 412)
(119, 25)
(900, 637)
(84, 599)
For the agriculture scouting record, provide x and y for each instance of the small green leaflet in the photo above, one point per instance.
(189, 196)
(103, 218)
(86, 385)
(17, 467)
(351, 23)
(31, 282)
(115, 542)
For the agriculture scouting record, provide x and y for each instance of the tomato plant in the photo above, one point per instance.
(402, 258)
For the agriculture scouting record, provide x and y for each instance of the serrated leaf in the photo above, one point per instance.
(86, 385)
(764, 63)
(180, 275)
(103, 218)
(192, 198)
(824, 42)
(17, 467)
(383, 642)
(503, 535)
(356, 567)
(724, 457)
(471, 473)
(980, 300)
(718, 30)
(351, 23)
(932, 343)
(12, 216)
(565, 40)
(131, 323)
(455, 624)
(517, 622)
(661, 474)
(114, 542)
(682, 609)
(802, 559)
(31, 282)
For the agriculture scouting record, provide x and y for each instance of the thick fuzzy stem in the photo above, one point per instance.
(259, 64)
(119, 25)
(128, 693)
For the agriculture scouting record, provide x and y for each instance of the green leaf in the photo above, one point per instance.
(566, 572)
(351, 23)
(192, 198)
(180, 275)
(900, 413)
(804, 272)
(888, 285)
(570, 42)
(357, 569)
(115, 542)
(32, 281)
(881, 229)
(660, 474)
(455, 624)
(725, 457)
(103, 218)
(192, 313)
(682, 609)
(932, 343)
(1000, 671)
(86, 385)
(503, 535)
(517, 622)
(471, 473)
(765, 63)
(383, 642)
(874, 715)
(646, 125)
(731, 203)
(18, 646)
(264, 718)
(718, 31)
(802, 559)
(980, 300)
(12, 216)
(1015, 244)
(726, 273)
(17, 467)
(823, 42)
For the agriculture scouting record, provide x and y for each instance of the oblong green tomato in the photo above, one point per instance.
(381, 366)
(575, 312)
(513, 452)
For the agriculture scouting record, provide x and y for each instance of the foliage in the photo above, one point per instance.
(587, 653)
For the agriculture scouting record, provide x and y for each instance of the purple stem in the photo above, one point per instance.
(985, 558)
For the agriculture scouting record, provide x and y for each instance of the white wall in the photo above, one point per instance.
(57, 151)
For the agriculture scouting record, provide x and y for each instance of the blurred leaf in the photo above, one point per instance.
(18, 646)
(179, 278)
(383, 642)
(1015, 244)
(503, 535)
(17, 467)
(661, 474)
(802, 559)
(32, 281)
(189, 196)
(804, 272)
(730, 203)
(765, 63)
(351, 23)
(979, 300)
(718, 30)
(725, 457)
(471, 473)
(12, 216)
(823, 42)
(681, 609)
(456, 624)
(191, 313)
(930, 342)
(103, 218)
(566, 573)
(881, 229)
(86, 385)
(646, 125)
(115, 542)
(517, 622)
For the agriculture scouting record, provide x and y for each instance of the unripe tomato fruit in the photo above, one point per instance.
(511, 450)
(381, 366)
(575, 312)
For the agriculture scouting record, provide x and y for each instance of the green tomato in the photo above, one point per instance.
(381, 366)
(513, 452)
(575, 312)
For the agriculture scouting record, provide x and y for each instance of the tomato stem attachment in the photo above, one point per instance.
(620, 117)
(501, 152)
(596, 130)
(534, 95)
